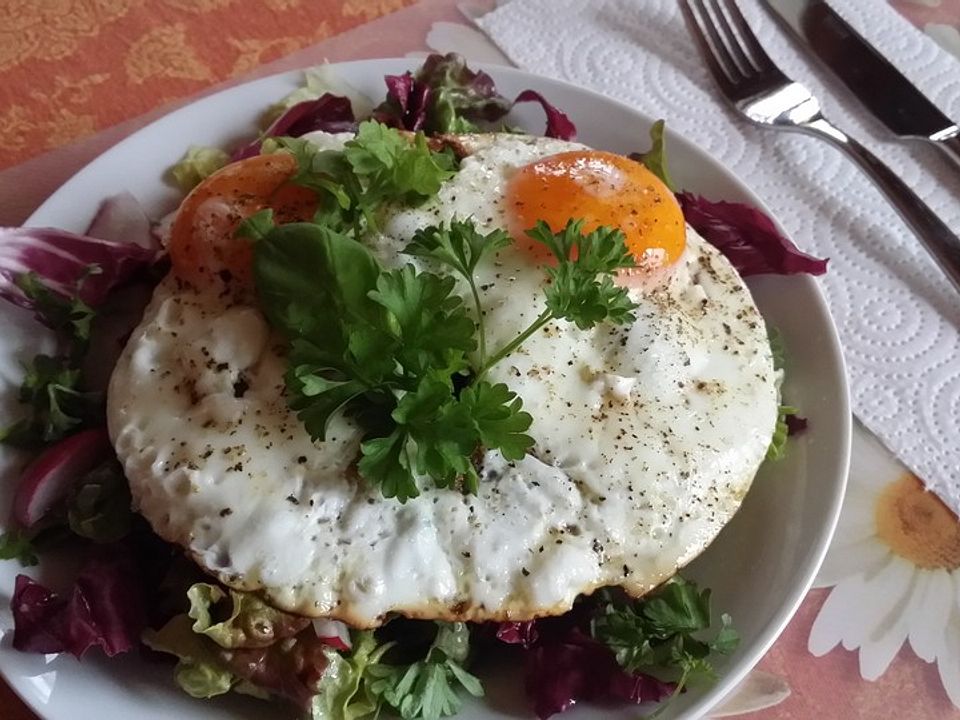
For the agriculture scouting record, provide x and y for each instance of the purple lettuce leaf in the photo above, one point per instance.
(445, 96)
(747, 237)
(62, 259)
(330, 113)
(518, 633)
(104, 609)
(564, 665)
(795, 424)
(558, 124)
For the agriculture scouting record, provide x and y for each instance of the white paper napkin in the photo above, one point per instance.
(898, 317)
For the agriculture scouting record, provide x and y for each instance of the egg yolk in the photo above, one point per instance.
(602, 189)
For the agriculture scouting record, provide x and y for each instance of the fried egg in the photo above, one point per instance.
(647, 436)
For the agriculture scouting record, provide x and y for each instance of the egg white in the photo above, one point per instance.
(647, 439)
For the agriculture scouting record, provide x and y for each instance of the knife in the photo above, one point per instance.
(873, 80)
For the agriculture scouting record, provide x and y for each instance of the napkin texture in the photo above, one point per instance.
(897, 315)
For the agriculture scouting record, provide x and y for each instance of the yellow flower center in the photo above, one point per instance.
(917, 526)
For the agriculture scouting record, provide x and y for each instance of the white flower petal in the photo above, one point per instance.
(933, 614)
(875, 467)
(834, 617)
(863, 557)
(883, 603)
(760, 690)
(912, 614)
(949, 663)
(878, 651)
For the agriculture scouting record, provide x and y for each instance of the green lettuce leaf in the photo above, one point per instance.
(14, 545)
(656, 157)
(344, 693)
(199, 671)
(197, 165)
(778, 443)
(251, 623)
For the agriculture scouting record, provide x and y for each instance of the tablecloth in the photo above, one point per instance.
(78, 75)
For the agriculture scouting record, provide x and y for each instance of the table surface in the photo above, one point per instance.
(76, 77)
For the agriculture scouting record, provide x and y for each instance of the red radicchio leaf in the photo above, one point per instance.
(122, 219)
(62, 258)
(518, 633)
(747, 238)
(104, 609)
(795, 424)
(576, 667)
(408, 101)
(330, 113)
(564, 664)
(558, 124)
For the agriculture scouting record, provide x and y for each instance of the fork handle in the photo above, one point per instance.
(936, 237)
(951, 147)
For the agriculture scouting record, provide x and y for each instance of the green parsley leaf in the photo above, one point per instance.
(69, 317)
(429, 689)
(501, 423)
(50, 389)
(659, 634)
(386, 462)
(656, 157)
(380, 165)
(14, 545)
(394, 167)
(575, 292)
(460, 247)
(444, 433)
(431, 325)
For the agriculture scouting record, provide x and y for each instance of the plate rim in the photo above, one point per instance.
(712, 696)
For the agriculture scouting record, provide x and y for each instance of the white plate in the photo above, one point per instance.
(760, 566)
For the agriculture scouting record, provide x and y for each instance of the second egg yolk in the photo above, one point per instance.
(602, 189)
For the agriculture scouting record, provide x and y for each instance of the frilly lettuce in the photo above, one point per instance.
(197, 165)
(199, 671)
(344, 692)
(251, 623)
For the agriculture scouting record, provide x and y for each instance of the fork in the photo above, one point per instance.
(760, 91)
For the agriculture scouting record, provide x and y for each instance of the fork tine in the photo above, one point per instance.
(761, 60)
(720, 74)
(744, 63)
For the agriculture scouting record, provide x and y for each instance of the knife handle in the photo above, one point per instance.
(936, 237)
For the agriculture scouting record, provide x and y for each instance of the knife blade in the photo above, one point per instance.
(879, 86)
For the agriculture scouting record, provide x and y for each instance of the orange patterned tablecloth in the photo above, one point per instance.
(71, 67)
(76, 76)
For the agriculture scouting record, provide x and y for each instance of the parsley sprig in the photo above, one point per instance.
(661, 634)
(397, 349)
(581, 287)
(379, 166)
(429, 688)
